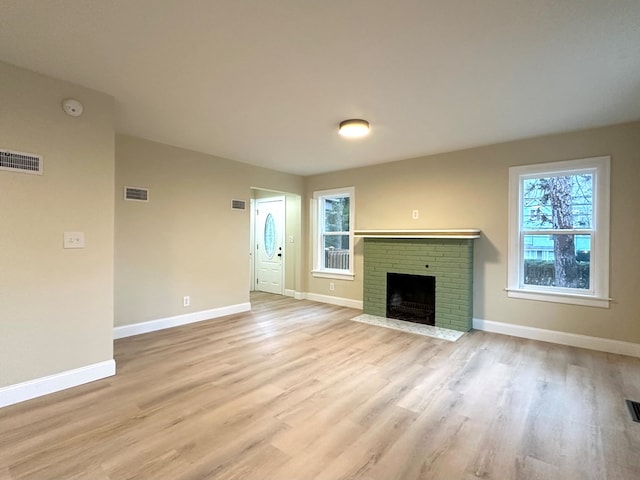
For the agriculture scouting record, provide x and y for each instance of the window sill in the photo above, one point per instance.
(332, 274)
(569, 298)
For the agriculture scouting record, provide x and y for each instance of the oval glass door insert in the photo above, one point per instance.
(269, 236)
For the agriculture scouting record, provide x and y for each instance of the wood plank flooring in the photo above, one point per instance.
(294, 390)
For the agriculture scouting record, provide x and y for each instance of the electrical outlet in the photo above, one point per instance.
(186, 301)
(415, 214)
(73, 240)
(332, 286)
(290, 238)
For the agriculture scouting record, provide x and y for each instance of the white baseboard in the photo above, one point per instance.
(563, 338)
(294, 294)
(162, 323)
(38, 387)
(343, 302)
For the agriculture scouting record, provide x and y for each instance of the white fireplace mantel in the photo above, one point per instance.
(459, 233)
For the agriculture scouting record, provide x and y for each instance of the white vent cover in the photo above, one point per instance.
(238, 205)
(136, 194)
(20, 162)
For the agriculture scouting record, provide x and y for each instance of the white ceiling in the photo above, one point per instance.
(266, 82)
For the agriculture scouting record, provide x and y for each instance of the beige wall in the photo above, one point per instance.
(293, 250)
(186, 240)
(468, 189)
(56, 305)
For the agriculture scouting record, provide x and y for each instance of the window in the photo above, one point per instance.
(333, 233)
(559, 232)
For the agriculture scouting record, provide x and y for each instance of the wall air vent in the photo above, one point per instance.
(634, 410)
(238, 205)
(136, 194)
(20, 162)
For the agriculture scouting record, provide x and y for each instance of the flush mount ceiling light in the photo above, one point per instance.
(354, 128)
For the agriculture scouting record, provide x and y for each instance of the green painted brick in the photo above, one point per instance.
(450, 262)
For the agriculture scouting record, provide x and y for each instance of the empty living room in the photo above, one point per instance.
(365, 240)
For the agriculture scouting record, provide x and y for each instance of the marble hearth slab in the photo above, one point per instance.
(410, 327)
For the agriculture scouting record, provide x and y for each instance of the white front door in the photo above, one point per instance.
(269, 252)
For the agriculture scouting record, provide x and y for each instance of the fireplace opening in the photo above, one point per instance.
(411, 298)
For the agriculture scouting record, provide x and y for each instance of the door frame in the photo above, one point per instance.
(252, 238)
(253, 235)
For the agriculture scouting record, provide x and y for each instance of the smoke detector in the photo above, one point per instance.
(72, 107)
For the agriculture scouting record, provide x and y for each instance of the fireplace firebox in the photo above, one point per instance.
(411, 298)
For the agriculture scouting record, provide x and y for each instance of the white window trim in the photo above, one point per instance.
(598, 296)
(317, 240)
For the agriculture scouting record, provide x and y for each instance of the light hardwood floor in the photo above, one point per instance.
(294, 390)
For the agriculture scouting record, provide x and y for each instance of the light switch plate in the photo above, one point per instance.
(73, 239)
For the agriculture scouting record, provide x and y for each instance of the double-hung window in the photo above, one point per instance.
(333, 233)
(559, 232)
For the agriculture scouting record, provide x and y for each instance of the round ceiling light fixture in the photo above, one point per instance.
(354, 128)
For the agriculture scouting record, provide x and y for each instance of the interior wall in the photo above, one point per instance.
(293, 244)
(56, 305)
(186, 240)
(469, 189)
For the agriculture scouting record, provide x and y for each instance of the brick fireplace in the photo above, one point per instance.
(445, 255)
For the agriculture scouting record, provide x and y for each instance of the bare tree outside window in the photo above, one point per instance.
(559, 232)
(557, 219)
